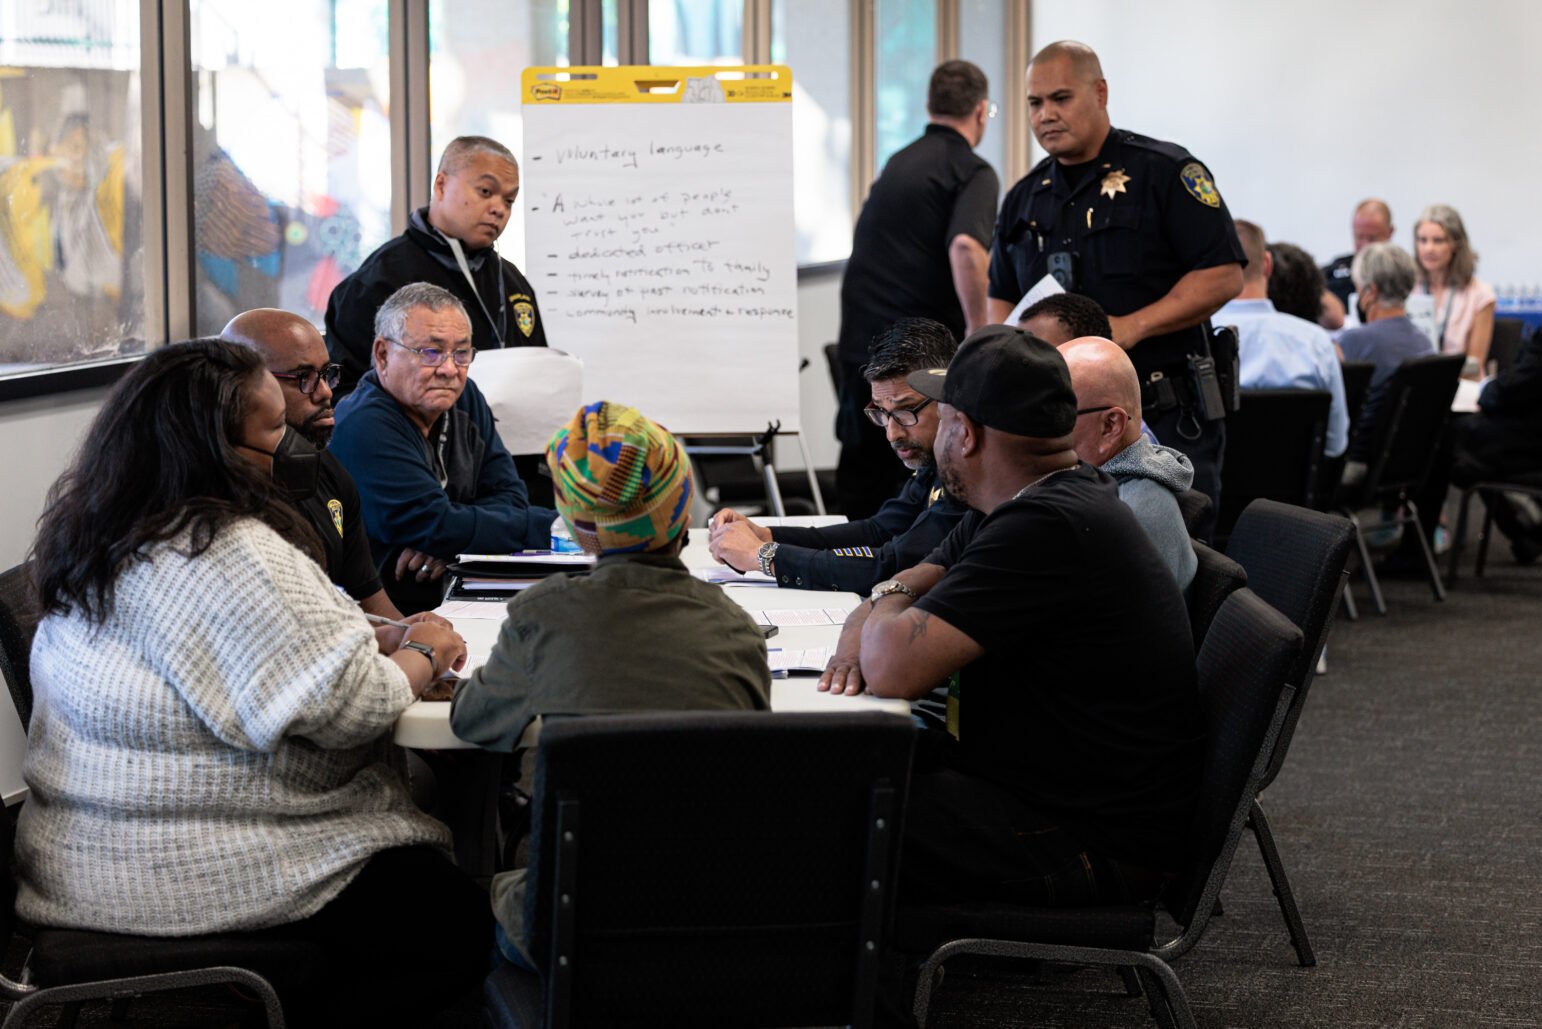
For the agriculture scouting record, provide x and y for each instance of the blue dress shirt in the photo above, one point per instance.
(1281, 351)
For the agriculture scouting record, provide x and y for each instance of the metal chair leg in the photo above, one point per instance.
(1351, 611)
(1365, 565)
(1459, 537)
(1483, 539)
(1259, 823)
(1436, 586)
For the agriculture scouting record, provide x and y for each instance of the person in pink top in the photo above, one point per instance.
(1464, 303)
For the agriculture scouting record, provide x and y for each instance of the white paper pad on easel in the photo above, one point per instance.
(1045, 287)
(533, 392)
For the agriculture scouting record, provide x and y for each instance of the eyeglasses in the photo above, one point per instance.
(906, 416)
(990, 112)
(307, 379)
(433, 357)
(1095, 410)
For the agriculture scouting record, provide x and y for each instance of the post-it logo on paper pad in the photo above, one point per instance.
(546, 91)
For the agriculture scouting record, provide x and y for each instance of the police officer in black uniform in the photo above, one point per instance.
(1372, 223)
(1137, 225)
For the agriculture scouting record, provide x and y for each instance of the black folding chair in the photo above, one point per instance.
(1357, 383)
(1244, 696)
(1296, 562)
(1195, 508)
(1490, 490)
(1216, 578)
(1506, 344)
(1411, 420)
(722, 869)
(1274, 444)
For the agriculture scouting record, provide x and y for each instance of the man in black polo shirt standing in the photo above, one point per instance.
(921, 250)
(1070, 767)
(294, 352)
(1138, 225)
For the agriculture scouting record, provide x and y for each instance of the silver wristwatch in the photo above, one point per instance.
(766, 555)
(888, 586)
(426, 651)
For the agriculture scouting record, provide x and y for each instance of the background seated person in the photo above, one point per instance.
(1504, 440)
(853, 556)
(1278, 350)
(1295, 284)
(638, 633)
(1107, 436)
(1062, 317)
(321, 487)
(207, 748)
(1384, 276)
(1068, 771)
(1464, 304)
(419, 440)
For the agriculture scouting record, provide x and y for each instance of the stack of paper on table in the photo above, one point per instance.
(811, 660)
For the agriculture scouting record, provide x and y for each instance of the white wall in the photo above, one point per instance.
(41, 435)
(1302, 109)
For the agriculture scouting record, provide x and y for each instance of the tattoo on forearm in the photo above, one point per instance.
(918, 620)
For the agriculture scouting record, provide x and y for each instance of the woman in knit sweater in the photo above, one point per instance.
(209, 746)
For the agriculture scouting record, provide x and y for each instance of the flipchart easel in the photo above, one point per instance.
(660, 240)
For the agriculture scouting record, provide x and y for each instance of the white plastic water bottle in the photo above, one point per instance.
(561, 540)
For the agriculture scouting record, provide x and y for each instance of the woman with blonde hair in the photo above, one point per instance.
(1464, 303)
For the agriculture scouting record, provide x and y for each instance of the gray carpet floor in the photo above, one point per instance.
(1407, 815)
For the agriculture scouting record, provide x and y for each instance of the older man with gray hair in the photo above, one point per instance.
(419, 440)
(1384, 275)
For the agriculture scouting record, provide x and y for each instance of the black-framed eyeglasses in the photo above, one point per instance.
(433, 357)
(306, 379)
(906, 416)
(1095, 410)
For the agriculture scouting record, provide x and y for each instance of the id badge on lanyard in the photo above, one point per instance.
(465, 269)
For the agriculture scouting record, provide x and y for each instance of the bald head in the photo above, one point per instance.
(1084, 60)
(275, 334)
(1372, 223)
(294, 352)
(1103, 378)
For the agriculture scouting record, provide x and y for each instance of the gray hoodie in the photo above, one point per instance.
(1150, 478)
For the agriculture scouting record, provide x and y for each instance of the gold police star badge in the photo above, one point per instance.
(1113, 183)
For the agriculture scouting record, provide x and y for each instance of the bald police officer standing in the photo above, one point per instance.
(1137, 225)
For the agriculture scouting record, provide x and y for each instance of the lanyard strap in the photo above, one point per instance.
(1440, 337)
(465, 269)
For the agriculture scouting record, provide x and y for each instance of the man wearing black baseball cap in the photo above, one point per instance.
(1068, 770)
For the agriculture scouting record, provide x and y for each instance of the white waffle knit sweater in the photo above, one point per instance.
(214, 756)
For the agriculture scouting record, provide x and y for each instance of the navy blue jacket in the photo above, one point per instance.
(482, 508)
(855, 556)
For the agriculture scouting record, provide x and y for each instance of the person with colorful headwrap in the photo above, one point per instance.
(638, 633)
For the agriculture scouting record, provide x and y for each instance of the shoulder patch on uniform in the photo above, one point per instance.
(1199, 184)
(335, 509)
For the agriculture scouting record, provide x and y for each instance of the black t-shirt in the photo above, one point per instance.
(1147, 215)
(931, 191)
(1084, 703)
(335, 514)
